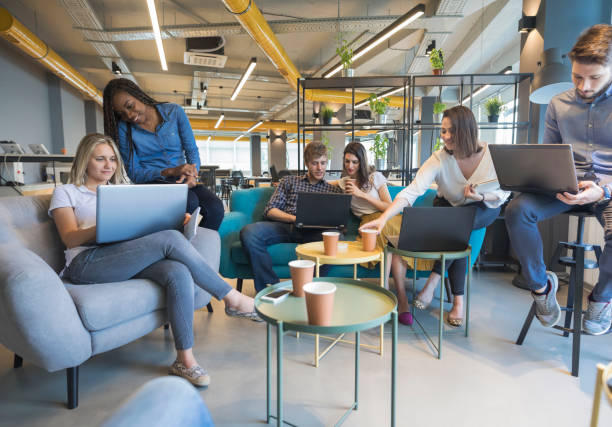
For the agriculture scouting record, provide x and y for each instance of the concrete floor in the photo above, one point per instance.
(483, 380)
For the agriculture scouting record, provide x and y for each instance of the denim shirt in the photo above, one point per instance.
(587, 127)
(171, 143)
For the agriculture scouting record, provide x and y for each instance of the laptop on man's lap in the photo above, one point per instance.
(322, 210)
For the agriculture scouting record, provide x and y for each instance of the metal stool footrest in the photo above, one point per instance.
(570, 262)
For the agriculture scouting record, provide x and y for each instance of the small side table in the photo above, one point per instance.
(353, 255)
(376, 307)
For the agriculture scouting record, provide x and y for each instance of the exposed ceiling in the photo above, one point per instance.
(476, 36)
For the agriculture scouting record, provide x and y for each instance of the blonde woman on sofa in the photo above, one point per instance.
(165, 257)
(463, 162)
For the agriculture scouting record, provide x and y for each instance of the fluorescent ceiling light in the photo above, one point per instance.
(157, 34)
(385, 34)
(221, 117)
(209, 138)
(476, 92)
(291, 140)
(238, 138)
(259, 123)
(244, 78)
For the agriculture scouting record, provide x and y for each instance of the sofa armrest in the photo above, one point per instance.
(229, 232)
(208, 244)
(38, 319)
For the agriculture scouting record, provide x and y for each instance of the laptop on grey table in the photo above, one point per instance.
(535, 168)
(442, 229)
(322, 210)
(126, 212)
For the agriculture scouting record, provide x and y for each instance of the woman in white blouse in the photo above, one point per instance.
(458, 168)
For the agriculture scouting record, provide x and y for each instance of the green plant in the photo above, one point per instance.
(379, 148)
(378, 105)
(326, 113)
(439, 107)
(436, 59)
(439, 144)
(494, 106)
(345, 52)
(325, 141)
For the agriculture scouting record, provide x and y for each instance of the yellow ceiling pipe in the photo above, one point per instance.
(18, 34)
(240, 125)
(231, 138)
(248, 15)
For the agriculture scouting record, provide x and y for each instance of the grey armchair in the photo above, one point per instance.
(58, 325)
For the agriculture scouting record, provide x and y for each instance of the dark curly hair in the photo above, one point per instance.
(111, 118)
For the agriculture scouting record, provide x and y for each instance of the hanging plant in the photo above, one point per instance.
(325, 142)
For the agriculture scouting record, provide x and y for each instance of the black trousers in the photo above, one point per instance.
(211, 207)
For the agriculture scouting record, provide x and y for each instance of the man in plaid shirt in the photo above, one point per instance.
(280, 216)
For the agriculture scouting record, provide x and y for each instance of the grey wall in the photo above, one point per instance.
(39, 108)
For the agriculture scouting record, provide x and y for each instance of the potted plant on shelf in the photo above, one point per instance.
(345, 52)
(379, 107)
(326, 115)
(379, 149)
(439, 144)
(436, 59)
(438, 109)
(494, 106)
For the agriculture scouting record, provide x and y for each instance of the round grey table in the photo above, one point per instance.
(357, 306)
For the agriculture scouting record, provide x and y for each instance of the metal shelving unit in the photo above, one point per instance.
(355, 85)
(467, 84)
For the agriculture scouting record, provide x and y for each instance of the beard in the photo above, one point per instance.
(591, 97)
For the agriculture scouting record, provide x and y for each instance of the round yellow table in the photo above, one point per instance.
(355, 255)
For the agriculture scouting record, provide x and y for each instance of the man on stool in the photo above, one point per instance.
(582, 117)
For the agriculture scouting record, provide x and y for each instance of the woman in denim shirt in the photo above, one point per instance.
(157, 144)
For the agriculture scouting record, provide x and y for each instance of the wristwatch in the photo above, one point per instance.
(606, 195)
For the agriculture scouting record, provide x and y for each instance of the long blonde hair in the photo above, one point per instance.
(78, 172)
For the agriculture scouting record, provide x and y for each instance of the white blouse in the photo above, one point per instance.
(442, 168)
(359, 206)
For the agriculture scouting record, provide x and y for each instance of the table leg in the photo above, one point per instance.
(356, 370)
(467, 296)
(382, 284)
(354, 271)
(394, 364)
(279, 374)
(268, 371)
(317, 335)
(441, 323)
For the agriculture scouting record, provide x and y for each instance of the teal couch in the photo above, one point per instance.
(247, 206)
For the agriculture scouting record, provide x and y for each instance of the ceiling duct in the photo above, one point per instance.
(205, 52)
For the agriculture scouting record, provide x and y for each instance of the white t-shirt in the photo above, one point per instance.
(360, 206)
(442, 168)
(83, 201)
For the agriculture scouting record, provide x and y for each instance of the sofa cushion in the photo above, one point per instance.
(281, 253)
(103, 305)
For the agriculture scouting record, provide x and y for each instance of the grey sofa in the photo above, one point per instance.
(58, 325)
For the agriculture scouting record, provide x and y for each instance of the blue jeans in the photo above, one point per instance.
(457, 269)
(257, 236)
(522, 217)
(166, 258)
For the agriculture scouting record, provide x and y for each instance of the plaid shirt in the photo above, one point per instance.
(285, 195)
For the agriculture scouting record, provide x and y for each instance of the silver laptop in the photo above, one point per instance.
(126, 212)
(535, 168)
